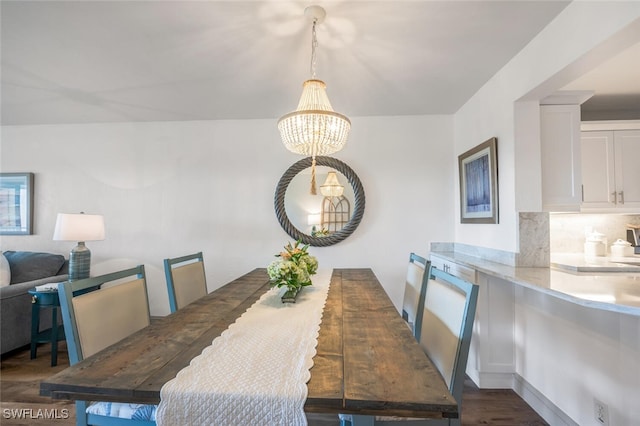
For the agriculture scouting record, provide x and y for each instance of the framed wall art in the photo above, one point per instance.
(478, 170)
(16, 203)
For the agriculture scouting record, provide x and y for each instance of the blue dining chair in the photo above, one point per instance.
(186, 279)
(94, 320)
(414, 288)
(445, 335)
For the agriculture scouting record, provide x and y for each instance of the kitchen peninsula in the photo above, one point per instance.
(610, 286)
(561, 339)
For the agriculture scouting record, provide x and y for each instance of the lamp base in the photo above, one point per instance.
(79, 262)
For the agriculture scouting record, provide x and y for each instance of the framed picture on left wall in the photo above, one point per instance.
(16, 203)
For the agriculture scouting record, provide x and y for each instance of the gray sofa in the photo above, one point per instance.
(28, 269)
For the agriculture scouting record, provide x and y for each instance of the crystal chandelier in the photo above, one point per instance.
(331, 186)
(314, 128)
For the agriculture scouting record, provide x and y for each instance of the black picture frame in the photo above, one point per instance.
(478, 172)
(16, 203)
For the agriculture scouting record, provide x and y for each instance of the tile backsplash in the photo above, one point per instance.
(567, 231)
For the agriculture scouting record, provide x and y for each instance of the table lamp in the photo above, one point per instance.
(79, 227)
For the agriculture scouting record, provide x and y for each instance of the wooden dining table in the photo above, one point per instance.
(367, 361)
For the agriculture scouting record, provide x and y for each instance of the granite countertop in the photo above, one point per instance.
(578, 262)
(611, 291)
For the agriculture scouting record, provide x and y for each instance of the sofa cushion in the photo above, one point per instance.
(5, 271)
(28, 266)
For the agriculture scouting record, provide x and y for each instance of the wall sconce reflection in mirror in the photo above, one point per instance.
(337, 220)
(16, 203)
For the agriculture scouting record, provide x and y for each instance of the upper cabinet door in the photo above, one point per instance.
(560, 150)
(598, 172)
(627, 155)
(611, 168)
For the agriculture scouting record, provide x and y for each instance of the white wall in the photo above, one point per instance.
(168, 189)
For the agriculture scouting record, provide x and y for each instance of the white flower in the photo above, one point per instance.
(293, 268)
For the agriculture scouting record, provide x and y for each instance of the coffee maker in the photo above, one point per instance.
(633, 236)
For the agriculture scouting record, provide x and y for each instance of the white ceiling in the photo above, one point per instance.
(103, 61)
(616, 87)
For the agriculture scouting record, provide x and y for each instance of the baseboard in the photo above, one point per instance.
(491, 380)
(541, 405)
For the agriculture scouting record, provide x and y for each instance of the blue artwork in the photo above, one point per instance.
(478, 185)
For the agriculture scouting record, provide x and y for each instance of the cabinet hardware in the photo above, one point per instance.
(615, 197)
(621, 193)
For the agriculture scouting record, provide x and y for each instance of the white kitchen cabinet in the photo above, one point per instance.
(560, 157)
(491, 362)
(611, 167)
(453, 268)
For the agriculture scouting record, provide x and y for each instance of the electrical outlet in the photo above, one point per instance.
(601, 412)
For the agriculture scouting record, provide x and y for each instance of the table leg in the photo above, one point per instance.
(35, 327)
(54, 336)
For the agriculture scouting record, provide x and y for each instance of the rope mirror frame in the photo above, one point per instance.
(358, 209)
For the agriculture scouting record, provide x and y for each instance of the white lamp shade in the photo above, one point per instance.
(79, 227)
(313, 219)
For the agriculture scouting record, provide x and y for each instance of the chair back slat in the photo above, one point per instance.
(100, 311)
(189, 282)
(107, 316)
(443, 312)
(447, 325)
(414, 291)
(186, 279)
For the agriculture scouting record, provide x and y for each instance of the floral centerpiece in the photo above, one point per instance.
(293, 269)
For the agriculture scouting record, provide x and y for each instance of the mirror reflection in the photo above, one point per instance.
(326, 218)
(324, 213)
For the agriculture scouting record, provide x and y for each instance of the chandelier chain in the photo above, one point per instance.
(314, 44)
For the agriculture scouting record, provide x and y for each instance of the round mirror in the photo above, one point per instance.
(335, 233)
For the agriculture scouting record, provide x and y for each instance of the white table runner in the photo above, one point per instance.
(255, 372)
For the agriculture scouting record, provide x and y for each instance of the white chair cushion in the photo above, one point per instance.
(412, 288)
(5, 271)
(123, 410)
(442, 326)
(189, 283)
(124, 307)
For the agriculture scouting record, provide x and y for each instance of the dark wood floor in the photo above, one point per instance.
(20, 378)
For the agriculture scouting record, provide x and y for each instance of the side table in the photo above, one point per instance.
(41, 300)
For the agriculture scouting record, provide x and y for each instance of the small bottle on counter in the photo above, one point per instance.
(595, 245)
